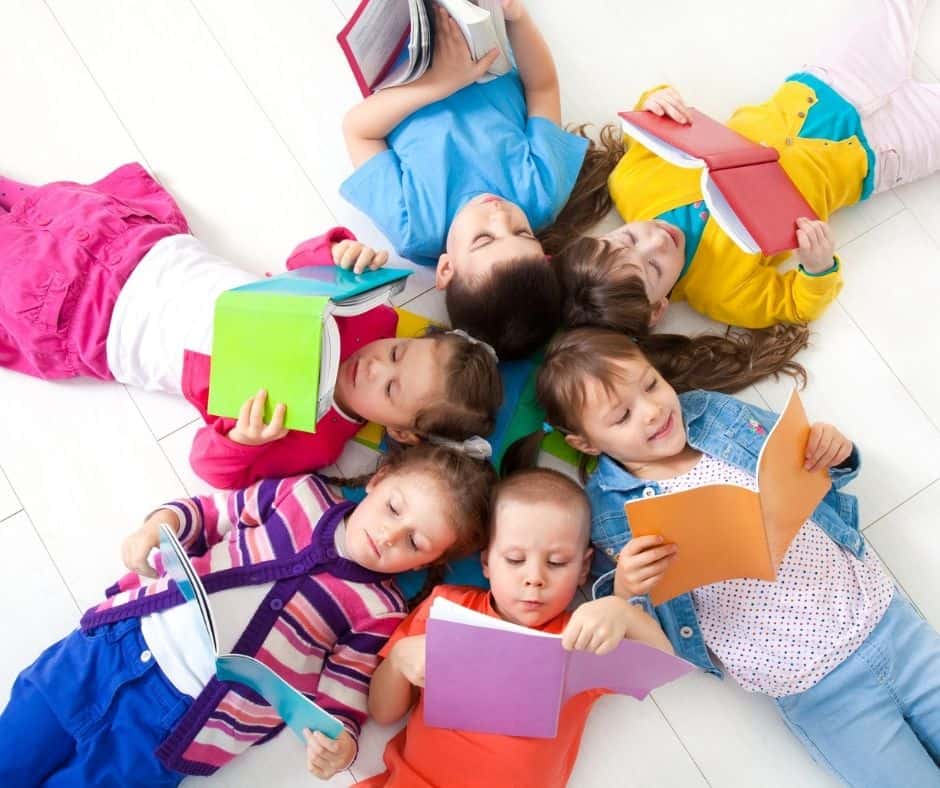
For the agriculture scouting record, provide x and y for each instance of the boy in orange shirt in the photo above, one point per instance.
(537, 557)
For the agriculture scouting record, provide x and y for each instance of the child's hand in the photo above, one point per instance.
(136, 547)
(357, 256)
(513, 10)
(668, 102)
(250, 429)
(826, 447)
(452, 65)
(641, 564)
(408, 657)
(597, 626)
(816, 246)
(326, 756)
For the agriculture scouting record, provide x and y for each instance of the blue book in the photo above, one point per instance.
(295, 708)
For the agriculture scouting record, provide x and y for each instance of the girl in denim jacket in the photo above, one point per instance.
(852, 667)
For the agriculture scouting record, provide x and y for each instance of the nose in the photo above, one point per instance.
(389, 535)
(376, 368)
(533, 576)
(653, 411)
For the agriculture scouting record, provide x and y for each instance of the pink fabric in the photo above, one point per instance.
(870, 64)
(65, 252)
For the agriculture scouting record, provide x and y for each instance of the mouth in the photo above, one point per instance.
(530, 604)
(372, 544)
(674, 233)
(663, 431)
(490, 198)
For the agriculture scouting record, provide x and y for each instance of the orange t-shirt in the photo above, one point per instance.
(420, 756)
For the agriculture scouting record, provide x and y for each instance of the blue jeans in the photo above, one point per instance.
(90, 711)
(875, 719)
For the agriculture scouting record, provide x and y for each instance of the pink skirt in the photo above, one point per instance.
(66, 251)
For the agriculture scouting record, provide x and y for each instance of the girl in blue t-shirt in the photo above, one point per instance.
(463, 174)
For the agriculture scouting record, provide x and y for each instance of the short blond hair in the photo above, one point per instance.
(544, 485)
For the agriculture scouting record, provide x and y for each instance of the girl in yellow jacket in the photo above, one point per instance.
(851, 126)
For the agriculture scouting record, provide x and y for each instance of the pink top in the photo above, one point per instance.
(228, 465)
(781, 638)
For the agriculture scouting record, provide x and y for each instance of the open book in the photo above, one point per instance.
(488, 675)
(297, 710)
(390, 42)
(280, 334)
(725, 531)
(744, 185)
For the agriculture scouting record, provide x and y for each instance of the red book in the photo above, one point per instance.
(744, 186)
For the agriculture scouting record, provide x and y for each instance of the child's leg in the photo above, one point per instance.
(33, 743)
(869, 58)
(855, 720)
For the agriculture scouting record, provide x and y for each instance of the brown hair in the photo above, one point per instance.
(473, 391)
(534, 485)
(515, 309)
(595, 353)
(590, 198)
(595, 293)
(467, 481)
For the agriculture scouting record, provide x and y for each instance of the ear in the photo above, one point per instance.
(485, 562)
(408, 437)
(659, 309)
(380, 474)
(585, 566)
(580, 444)
(444, 272)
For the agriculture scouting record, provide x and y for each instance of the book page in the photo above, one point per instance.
(375, 36)
(446, 610)
(477, 27)
(719, 530)
(788, 492)
(180, 569)
(723, 214)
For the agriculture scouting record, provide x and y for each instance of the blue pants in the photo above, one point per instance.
(875, 719)
(90, 712)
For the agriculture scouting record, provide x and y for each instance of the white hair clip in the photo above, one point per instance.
(474, 341)
(475, 447)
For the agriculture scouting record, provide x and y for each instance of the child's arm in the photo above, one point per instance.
(599, 626)
(366, 125)
(394, 689)
(534, 61)
(336, 247)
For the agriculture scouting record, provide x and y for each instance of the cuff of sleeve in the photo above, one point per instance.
(185, 515)
(318, 251)
(643, 602)
(830, 270)
(604, 585)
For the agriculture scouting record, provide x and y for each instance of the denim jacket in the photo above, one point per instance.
(733, 431)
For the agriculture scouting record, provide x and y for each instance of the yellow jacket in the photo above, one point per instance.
(723, 281)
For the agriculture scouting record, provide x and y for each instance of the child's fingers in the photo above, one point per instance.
(676, 110)
(823, 448)
(487, 60)
(639, 544)
(326, 742)
(244, 413)
(655, 106)
(571, 634)
(648, 558)
(256, 417)
(653, 570)
(364, 260)
(276, 428)
(812, 443)
(380, 259)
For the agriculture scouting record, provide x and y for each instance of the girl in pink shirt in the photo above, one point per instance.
(105, 281)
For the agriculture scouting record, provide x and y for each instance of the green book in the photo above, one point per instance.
(280, 334)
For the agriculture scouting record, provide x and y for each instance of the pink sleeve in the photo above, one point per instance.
(318, 251)
(228, 465)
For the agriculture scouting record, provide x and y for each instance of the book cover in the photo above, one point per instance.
(390, 42)
(295, 708)
(725, 531)
(744, 185)
(487, 675)
(279, 334)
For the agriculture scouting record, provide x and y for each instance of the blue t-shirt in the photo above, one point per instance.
(479, 140)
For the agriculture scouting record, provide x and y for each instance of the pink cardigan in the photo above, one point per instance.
(228, 465)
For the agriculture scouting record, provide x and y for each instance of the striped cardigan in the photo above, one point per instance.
(320, 626)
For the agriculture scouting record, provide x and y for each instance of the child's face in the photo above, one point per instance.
(638, 422)
(401, 524)
(486, 231)
(654, 251)
(537, 557)
(390, 381)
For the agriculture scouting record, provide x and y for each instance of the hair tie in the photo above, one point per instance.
(547, 428)
(475, 447)
(474, 341)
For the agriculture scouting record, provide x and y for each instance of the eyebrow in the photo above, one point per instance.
(492, 241)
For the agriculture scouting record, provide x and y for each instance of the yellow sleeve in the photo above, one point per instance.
(767, 297)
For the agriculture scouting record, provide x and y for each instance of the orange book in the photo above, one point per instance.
(725, 531)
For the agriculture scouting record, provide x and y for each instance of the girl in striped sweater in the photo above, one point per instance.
(300, 579)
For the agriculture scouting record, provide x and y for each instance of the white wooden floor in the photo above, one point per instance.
(235, 105)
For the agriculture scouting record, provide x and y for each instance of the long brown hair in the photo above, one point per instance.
(596, 293)
(473, 391)
(468, 483)
(590, 198)
(586, 353)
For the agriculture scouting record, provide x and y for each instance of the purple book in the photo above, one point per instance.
(487, 675)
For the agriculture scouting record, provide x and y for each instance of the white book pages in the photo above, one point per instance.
(723, 214)
(329, 364)
(661, 148)
(446, 610)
